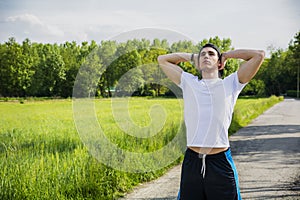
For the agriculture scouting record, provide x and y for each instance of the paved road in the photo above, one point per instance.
(266, 153)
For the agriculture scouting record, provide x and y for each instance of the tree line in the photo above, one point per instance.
(280, 72)
(34, 69)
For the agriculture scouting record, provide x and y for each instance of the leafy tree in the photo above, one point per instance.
(107, 53)
(279, 73)
(16, 68)
(35, 69)
(88, 75)
(49, 73)
(254, 87)
(152, 74)
(126, 58)
(274, 73)
(294, 60)
(130, 82)
(72, 58)
(160, 44)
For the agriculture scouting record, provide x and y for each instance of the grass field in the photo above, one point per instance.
(42, 156)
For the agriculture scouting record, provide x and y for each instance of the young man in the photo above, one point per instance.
(208, 171)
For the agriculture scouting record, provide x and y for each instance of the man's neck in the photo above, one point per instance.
(210, 75)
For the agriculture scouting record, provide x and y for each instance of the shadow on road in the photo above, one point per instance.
(258, 139)
(266, 151)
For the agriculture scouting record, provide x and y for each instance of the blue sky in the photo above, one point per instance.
(254, 24)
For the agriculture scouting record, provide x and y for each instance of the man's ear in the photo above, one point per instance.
(219, 61)
(219, 64)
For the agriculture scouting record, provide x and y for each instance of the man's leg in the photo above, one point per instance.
(221, 180)
(191, 184)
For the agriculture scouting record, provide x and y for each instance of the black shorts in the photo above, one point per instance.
(217, 179)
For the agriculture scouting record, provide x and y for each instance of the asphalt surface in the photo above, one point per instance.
(266, 154)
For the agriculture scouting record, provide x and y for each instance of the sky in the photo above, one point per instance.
(252, 24)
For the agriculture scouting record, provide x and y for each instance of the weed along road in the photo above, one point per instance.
(266, 153)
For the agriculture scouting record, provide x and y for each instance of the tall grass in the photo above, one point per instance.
(42, 156)
(247, 109)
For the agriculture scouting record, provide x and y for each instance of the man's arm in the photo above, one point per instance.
(248, 69)
(168, 64)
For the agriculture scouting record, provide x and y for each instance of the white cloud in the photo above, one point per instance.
(100, 25)
(249, 24)
(27, 18)
(31, 26)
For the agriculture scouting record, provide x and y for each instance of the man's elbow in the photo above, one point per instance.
(160, 59)
(261, 54)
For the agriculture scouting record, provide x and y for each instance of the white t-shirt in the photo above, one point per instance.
(208, 107)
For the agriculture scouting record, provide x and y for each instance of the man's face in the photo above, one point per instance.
(209, 59)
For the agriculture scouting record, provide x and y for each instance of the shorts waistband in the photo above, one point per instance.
(194, 154)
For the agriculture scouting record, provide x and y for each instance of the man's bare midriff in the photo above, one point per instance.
(208, 150)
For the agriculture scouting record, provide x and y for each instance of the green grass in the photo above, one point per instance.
(247, 109)
(42, 156)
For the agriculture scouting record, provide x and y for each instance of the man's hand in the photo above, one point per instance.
(222, 61)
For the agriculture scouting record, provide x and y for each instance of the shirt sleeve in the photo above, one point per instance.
(233, 80)
(186, 77)
(238, 85)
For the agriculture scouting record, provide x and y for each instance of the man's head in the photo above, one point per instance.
(212, 46)
(209, 58)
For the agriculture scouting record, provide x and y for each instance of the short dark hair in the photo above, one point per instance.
(212, 46)
(218, 51)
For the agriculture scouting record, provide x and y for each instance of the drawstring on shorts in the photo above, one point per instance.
(203, 169)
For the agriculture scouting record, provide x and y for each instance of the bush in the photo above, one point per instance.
(292, 93)
(254, 87)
